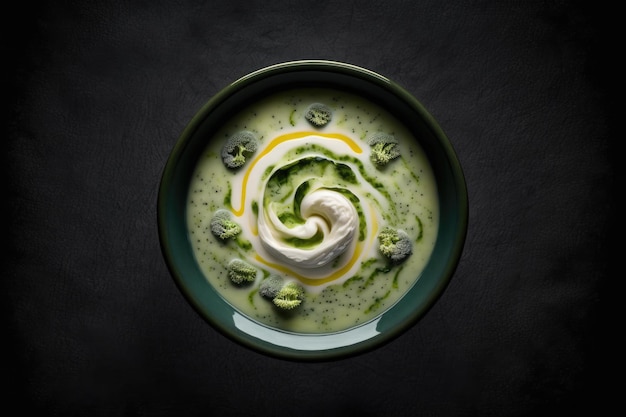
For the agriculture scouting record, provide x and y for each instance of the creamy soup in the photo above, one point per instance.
(308, 205)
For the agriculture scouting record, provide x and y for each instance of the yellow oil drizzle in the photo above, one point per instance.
(316, 281)
(374, 223)
(277, 141)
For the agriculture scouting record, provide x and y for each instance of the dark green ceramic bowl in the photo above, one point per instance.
(408, 310)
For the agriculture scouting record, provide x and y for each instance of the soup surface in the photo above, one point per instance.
(310, 201)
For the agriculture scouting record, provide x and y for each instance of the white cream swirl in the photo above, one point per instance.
(326, 212)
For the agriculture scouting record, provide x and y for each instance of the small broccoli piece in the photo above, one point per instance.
(318, 114)
(289, 297)
(238, 147)
(395, 244)
(384, 149)
(223, 226)
(271, 286)
(240, 271)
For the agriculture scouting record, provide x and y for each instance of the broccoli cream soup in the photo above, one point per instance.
(312, 210)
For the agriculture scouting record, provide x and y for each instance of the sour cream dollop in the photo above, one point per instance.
(326, 212)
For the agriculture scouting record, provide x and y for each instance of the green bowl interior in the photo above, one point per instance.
(406, 312)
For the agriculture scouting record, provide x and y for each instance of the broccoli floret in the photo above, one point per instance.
(271, 286)
(238, 147)
(240, 271)
(318, 114)
(223, 226)
(394, 244)
(384, 148)
(289, 297)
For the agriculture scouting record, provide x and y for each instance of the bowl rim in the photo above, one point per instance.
(297, 346)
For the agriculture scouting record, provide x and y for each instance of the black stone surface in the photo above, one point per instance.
(96, 95)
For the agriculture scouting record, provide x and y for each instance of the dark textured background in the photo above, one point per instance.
(96, 95)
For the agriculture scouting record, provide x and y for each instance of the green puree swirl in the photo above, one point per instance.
(288, 185)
